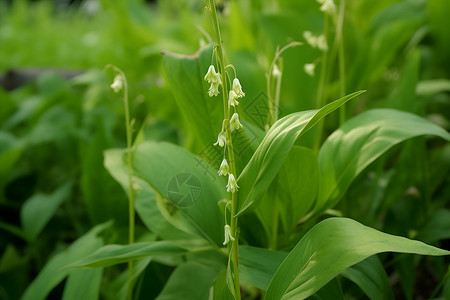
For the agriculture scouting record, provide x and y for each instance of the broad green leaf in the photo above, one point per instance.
(298, 183)
(258, 265)
(37, 211)
(203, 114)
(359, 142)
(145, 202)
(189, 281)
(115, 254)
(273, 150)
(54, 271)
(329, 248)
(188, 182)
(83, 284)
(371, 277)
(101, 194)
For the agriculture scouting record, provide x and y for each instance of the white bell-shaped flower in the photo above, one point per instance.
(232, 98)
(224, 168)
(234, 122)
(232, 185)
(237, 88)
(221, 139)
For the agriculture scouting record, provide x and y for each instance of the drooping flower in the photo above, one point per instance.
(214, 78)
(237, 88)
(232, 98)
(276, 72)
(309, 69)
(223, 169)
(232, 185)
(322, 43)
(117, 84)
(328, 6)
(310, 38)
(221, 139)
(234, 122)
(214, 89)
(228, 236)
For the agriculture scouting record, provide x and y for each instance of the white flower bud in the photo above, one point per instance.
(117, 84)
(310, 38)
(328, 6)
(309, 69)
(228, 236)
(322, 43)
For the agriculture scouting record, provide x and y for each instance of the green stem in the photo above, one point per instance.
(226, 109)
(340, 41)
(131, 212)
(321, 92)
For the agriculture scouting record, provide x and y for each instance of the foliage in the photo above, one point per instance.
(344, 198)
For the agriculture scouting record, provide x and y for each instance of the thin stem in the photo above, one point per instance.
(131, 212)
(321, 93)
(226, 110)
(341, 58)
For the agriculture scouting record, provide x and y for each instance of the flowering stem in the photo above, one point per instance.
(131, 212)
(233, 245)
(341, 58)
(321, 93)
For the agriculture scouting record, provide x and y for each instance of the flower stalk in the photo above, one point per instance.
(120, 83)
(230, 97)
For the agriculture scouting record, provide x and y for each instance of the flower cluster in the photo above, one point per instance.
(228, 125)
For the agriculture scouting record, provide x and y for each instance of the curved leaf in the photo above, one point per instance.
(115, 254)
(359, 142)
(187, 181)
(273, 150)
(54, 272)
(329, 248)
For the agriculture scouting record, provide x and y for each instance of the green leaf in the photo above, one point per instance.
(37, 211)
(202, 113)
(221, 291)
(54, 272)
(145, 202)
(273, 150)
(189, 281)
(188, 182)
(371, 277)
(298, 183)
(115, 254)
(258, 265)
(329, 248)
(83, 284)
(359, 142)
